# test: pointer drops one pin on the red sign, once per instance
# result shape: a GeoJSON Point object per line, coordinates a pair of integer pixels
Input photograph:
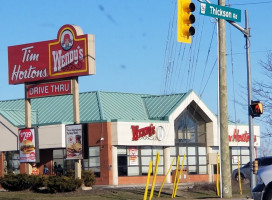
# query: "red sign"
{"type": "Point", "coordinates": [236, 137]}
{"type": "Point", "coordinates": [48, 89]}
{"type": "Point", "coordinates": [143, 132]}
{"type": "Point", "coordinates": [25, 134]}
{"type": "Point", "coordinates": [71, 54]}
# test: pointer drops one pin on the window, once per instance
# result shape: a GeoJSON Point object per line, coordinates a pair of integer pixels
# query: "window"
{"type": "Point", "coordinates": [241, 154]}
{"type": "Point", "coordinates": [190, 127]}
{"type": "Point", "coordinates": [12, 162]}
{"type": "Point", "coordinates": [134, 161]}
{"type": "Point", "coordinates": [59, 158]}
{"type": "Point", "coordinates": [190, 130]}
{"type": "Point", "coordinates": [93, 162]}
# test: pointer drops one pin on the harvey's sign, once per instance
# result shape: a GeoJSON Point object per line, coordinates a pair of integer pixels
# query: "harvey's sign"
{"type": "Point", "coordinates": [71, 54]}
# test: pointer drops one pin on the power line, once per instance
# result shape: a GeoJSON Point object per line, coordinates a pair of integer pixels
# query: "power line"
{"type": "Point", "coordinates": [233, 80]}
{"type": "Point", "coordinates": [207, 57]}
{"type": "Point", "coordinates": [263, 51]}
{"type": "Point", "coordinates": [201, 94]}
{"type": "Point", "coordinates": [252, 3]}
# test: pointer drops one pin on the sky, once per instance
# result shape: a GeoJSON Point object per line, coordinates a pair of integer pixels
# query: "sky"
{"type": "Point", "coordinates": [136, 49]}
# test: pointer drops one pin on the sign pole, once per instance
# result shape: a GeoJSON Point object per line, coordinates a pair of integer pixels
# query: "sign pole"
{"type": "Point", "coordinates": [27, 124]}
{"type": "Point", "coordinates": [250, 119]}
{"type": "Point", "coordinates": [246, 32]}
{"type": "Point", "coordinates": [76, 120]}
{"type": "Point", "coordinates": [27, 111]}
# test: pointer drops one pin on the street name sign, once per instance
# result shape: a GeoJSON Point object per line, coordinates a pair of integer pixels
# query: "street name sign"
{"type": "Point", "coordinates": [221, 12]}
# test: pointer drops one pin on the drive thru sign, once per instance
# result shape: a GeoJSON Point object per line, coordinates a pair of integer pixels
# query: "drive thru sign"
{"type": "Point", "coordinates": [221, 12]}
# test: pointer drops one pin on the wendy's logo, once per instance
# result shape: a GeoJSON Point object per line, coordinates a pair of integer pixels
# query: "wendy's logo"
{"type": "Point", "coordinates": [67, 40]}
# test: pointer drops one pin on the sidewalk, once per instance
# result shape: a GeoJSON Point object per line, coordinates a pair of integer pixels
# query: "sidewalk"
{"type": "Point", "coordinates": [167, 190]}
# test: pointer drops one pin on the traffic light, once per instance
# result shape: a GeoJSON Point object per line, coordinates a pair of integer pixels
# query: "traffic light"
{"type": "Point", "coordinates": [185, 19]}
{"type": "Point", "coordinates": [256, 108]}
{"type": "Point", "coordinates": [255, 166]}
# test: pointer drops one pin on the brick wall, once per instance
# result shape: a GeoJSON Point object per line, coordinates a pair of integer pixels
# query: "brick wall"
{"type": "Point", "coordinates": [96, 131]}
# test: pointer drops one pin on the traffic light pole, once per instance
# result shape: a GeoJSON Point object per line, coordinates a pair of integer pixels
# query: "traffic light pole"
{"type": "Point", "coordinates": [224, 151]}
{"type": "Point", "coordinates": [246, 32]}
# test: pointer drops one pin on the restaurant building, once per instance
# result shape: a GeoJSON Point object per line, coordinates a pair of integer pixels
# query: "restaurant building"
{"type": "Point", "coordinates": [122, 133]}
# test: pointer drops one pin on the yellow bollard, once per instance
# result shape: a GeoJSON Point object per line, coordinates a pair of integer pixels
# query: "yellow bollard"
{"type": "Point", "coordinates": [147, 181]}
{"type": "Point", "coordinates": [166, 177]}
{"type": "Point", "coordinates": [217, 174]}
{"type": "Point", "coordinates": [174, 184]}
{"type": "Point", "coordinates": [239, 175]}
{"type": "Point", "coordinates": [180, 172]}
{"type": "Point", "coordinates": [155, 175]}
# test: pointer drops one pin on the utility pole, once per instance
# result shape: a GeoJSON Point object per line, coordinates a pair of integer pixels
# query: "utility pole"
{"type": "Point", "coordinates": [223, 106]}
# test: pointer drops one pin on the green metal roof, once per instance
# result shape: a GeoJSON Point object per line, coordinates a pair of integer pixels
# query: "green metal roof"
{"type": "Point", "coordinates": [122, 106]}
{"type": "Point", "coordinates": [17, 117]}
{"type": "Point", "coordinates": [94, 107]}
{"type": "Point", "coordinates": [160, 107]}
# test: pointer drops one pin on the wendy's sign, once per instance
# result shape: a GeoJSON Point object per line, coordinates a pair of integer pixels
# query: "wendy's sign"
{"type": "Point", "coordinates": [71, 54]}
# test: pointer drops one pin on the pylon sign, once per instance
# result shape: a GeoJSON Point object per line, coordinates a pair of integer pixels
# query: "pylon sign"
{"type": "Point", "coordinates": [70, 55]}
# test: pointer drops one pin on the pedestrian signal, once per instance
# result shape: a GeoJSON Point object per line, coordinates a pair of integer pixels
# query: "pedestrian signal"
{"type": "Point", "coordinates": [256, 108]}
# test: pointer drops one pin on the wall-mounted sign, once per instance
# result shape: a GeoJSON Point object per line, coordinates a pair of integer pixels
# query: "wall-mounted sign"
{"type": "Point", "coordinates": [48, 89]}
{"type": "Point", "coordinates": [27, 145]}
{"type": "Point", "coordinates": [145, 132]}
{"type": "Point", "coordinates": [236, 137]}
{"type": "Point", "coordinates": [74, 141]}
{"type": "Point", "coordinates": [71, 54]}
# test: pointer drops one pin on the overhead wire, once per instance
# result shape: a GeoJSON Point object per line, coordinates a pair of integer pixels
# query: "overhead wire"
{"type": "Point", "coordinates": [166, 65]}
{"type": "Point", "coordinates": [233, 80]}
{"type": "Point", "coordinates": [199, 45]}
{"type": "Point", "coordinates": [180, 75]}
{"type": "Point", "coordinates": [207, 59]}
{"type": "Point", "coordinates": [250, 3]}
{"type": "Point", "coordinates": [189, 63]}
{"type": "Point", "coordinates": [181, 60]}
{"type": "Point", "coordinates": [193, 67]}
{"type": "Point", "coordinates": [201, 94]}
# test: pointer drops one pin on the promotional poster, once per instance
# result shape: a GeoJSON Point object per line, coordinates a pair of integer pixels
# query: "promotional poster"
{"type": "Point", "coordinates": [74, 141]}
{"type": "Point", "coordinates": [27, 145]}
{"type": "Point", "coordinates": [133, 156]}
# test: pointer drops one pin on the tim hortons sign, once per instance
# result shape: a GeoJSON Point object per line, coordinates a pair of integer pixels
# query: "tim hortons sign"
{"type": "Point", "coordinates": [71, 54]}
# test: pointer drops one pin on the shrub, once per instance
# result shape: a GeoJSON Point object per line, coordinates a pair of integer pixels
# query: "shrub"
{"type": "Point", "coordinates": [19, 182]}
{"type": "Point", "coordinates": [70, 173]}
{"type": "Point", "coordinates": [63, 184]}
{"type": "Point", "coordinates": [38, 181]}
{"type": "Point", "coordinates": [16, 182]}
{"type": "Point", "coordinates": [88, 178]}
